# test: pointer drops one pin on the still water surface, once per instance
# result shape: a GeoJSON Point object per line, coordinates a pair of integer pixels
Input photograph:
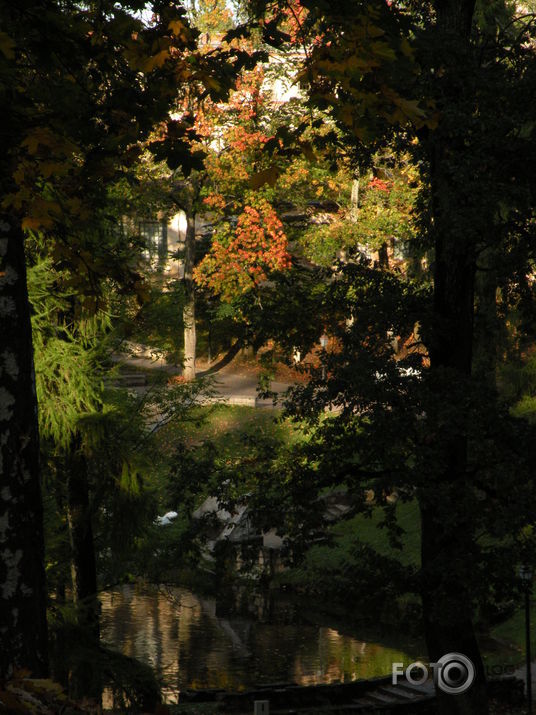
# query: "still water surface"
{"type": "Point", "coordinates": [189, 646]}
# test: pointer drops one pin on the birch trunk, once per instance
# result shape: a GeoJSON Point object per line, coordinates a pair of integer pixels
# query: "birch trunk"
{"type": "Point", "coordinates": [188, 312]}
{"type": "Point", "coordinates": [23, 631]}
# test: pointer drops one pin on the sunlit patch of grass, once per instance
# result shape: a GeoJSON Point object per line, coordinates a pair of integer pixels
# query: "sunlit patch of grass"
{"type": "Point", "coordinates": [225, 426]}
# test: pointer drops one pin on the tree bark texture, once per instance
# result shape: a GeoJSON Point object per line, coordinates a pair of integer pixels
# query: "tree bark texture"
{"type": "Point", "coordinates": [188, 312]}
{"type": "Point", "coordinates": [23, 631]}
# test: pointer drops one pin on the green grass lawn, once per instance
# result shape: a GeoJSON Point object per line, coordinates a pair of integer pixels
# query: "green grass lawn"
{"type": "Point", "coordinates": [227, 427]}
{"type": "Point", "coordinates": [368, 531]}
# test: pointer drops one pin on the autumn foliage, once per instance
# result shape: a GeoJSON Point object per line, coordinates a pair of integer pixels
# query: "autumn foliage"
{"type": "Point", "coordinates": [241, 258]}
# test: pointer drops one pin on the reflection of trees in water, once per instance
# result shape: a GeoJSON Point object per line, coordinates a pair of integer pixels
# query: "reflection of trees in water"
{"type": "Point", "coordinates": [195, 643]}
{"type": "Point", "coordinates": [117, 627]}
{"type": "Point", "coordinates": [213, 653]}
{"type": "Point", "coordinates": [180, 635]}
{"type": "Point", "coordinates": [157, 635]}
{"type": "Point", "coordinates": [144, 626]}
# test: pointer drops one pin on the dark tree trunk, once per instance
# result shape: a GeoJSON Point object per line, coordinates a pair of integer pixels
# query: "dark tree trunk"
{"type": "Point", "coordinates": [486, 321]}
{"type": "Point", "coordinates": [84, 676]}
{"type": "Point", "coordinates": [448, 541]}
{"type": "Point", "coordinates": [83, 564]}
{"type": "Point", "coordinates": [188, 312]}
{"type": "Point", "coordinates": [455, 16]}
{"type": "Point", "coordinates": [23, 631]}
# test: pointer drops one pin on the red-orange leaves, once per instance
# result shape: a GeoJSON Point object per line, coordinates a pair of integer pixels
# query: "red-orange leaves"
{"type": "Point", "coordinates": [242, 258]}
{"type": "Point", "coordinates": [295, 17]}
{"type": "Point", "coordinates": [378, 184]}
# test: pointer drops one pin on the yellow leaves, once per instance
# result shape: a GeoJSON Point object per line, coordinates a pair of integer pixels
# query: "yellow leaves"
{"type": "Point", "coordinates": [373, 30]}
{"type": "Point", "coordinates": [408, 110]}
{"type": "Point", "coordinates": [266, 176]}
{"type": "Point", "coordinates": [211, 83]}
{"type": "Point", "coordinates": [308, 151]}
{"type": "Point", "coordinates": [7, 46]}
{"type": "Point", "coordinates": [33, 224]}
{"type": "Point", "coordinates": [150, 63]}
{"type": "Point", "coordinates": [144, 59]}
{"type": "Point", "coordinates": [17, 200]}
{"type": "Point", "coordinates": [40, 136]}
{"type": "Point", "coordinates": [52, 168]}
{"type": "Point", "coordinates": [43, 215]}
{"type": "Point", "coordinates": [179, 29]}
{"type": "Point", "coordinates": [44, 138]}
{"type": "Point", "coordinates": [37, 137]}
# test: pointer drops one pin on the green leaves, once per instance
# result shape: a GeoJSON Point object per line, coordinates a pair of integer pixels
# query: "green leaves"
{"type": "Point", "coordinates": [67, 357]}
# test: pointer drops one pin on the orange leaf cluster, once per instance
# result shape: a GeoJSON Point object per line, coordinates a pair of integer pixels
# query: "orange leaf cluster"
{"type": "Point", "coordinates": [295, 16]}
{"type": "Point", "coordinates": [241, 260]}
{"type": "Point", "coordinates": [378, 184]}
{"type": "Point", "coordinates": [214, 201]}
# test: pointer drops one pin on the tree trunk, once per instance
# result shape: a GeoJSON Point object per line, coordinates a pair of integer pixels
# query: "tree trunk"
{"type": "Point", "coordinates": [85, 680]}
{"type": "Point", "coordinates": [486, 321]}
{"type": "Point", "coordinates": [83, 564]}
{"type": "Point", "coordinates": [354, 198]}
{"type": "Point", "coordinates": [455, 16]}
{"type": "Point", "coordinates": [448, 543]}
{"type": "Point", "coordinates": [188, 312]}
{"type": "Point", "coordinates": [448, 547]}
{"type": "Point", "coordinates": [23, 630]}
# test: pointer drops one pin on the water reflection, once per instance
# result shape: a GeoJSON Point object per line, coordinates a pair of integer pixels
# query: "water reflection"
{"type": "Point", "coordinates": [181, 636]}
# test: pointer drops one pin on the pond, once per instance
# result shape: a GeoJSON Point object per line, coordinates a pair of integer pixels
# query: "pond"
{"type": "Point", "coordinates": [190, 643]}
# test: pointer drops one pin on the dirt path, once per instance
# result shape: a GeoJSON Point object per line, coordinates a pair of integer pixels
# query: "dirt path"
{"type": "Point", "coordinates": [236, 383]}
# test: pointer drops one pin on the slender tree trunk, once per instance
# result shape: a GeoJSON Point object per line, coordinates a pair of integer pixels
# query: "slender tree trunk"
{"type": "Point", "coordinates": [188, 312]}
{"type": "Point", "coordinates": [23, 631]}
{"type": "Point", "coordinates": [85, 679]}
{"type": "Point", "coordinates": [448, 542]}
{"type": "Point", "coordinates": [83, 563]}
{"type": "Point", "coordinates": [354, 198]}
